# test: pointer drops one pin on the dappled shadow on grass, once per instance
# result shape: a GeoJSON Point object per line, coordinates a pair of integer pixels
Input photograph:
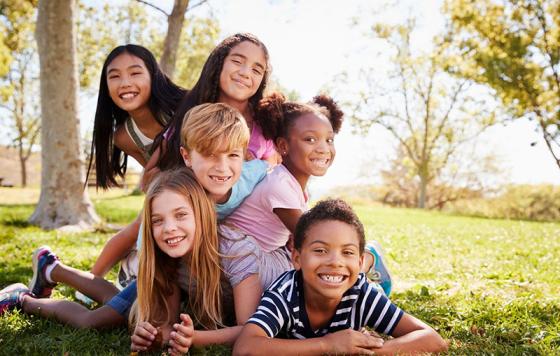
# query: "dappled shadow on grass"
{"type": "Point", "coordinates": [16, 215]}
{"type": "Point", "coordinates": [13, 274]}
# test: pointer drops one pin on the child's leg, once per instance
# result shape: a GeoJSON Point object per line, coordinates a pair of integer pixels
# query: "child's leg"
{"type": "Point", "coordinates": [72, 313]}
{"type": "Point", "coordinates": [48, 271]}
{"type": "Point", "coordinates": [116, 248]}
{"type": "Point", "coordinates": [95, 287]}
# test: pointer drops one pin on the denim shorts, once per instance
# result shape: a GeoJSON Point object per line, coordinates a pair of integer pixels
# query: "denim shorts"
{"type": "Point", "coordinates": [124, 299]}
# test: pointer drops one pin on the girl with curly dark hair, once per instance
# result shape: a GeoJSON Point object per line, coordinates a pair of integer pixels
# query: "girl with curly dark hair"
{"type": "Point", "coordinates": [235, 73]}
{"type": "Point", "coordinates": [304, 135]}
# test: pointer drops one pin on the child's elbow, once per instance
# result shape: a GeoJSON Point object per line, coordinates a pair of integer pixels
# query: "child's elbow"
{"type": "Point", "coordinates": [243, 349]}
{"type": "Point", "coordinates": [438, 343]}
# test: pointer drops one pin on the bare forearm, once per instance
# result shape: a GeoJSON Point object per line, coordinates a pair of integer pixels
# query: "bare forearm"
{"type": "Point", "coordinates": [416, 342]}
{"type": "Point", "coordinates": [226, 336]}
{"type": "Point", "coordinates": [116, 248]}
{"type": "Point", "coordinates": [259, 345]}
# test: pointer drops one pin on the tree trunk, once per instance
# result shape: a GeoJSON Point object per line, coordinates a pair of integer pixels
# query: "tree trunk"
{"type": "Point", "coordinates": [422, 194]}
{"type": "Point", "coordinates": [63, 200]}
{"type": "Point", "coordinates": [23, 168]}
{"type": "Point", "coordinates": [171, 44]}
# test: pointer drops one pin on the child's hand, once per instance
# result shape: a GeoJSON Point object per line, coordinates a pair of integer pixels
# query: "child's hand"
{"type": "Point", "coordinates": [352, 342]}
{"type": "Point", "coordinates": [143, 337]}
{"type": "Point", "coordinates": [182, 338]}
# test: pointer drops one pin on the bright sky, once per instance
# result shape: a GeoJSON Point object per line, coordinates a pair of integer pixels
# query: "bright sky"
{"type": "Point", "coordinates": [311, 41]}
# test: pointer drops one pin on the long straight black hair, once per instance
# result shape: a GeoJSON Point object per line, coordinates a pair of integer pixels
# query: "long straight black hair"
{"type": "Point", "coordinates": [207, 90]}
{"type": "Point", "coordinates": [110, 161]}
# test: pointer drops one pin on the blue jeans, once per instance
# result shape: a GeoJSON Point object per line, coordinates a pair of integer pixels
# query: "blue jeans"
{"type": "Point", "coordinates": [124, 299]}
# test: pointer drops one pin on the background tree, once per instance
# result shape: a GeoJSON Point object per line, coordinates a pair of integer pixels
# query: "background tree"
{"type": "Point", "coordinates": [19, 85]}
{"type": "Point", "coordinates": [429, 113]}
{"type": "Point", "coordinates": [63, 201]}
{"type": "Point", "coordinates": [175, 24]}
{"type": "Point", "coordinates": [468, 175]}
{"type": "Point", "coordinates": [513, 46]}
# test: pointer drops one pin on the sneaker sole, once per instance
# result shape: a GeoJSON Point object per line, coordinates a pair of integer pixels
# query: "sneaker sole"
{"type": "Point", "coordinates": [379, 261]}
{"type": "Point", "coordinates": [35, 261]}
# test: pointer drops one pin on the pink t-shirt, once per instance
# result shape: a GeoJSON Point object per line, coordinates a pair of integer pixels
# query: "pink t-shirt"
{"type": "Point", "coordinates": [260, 147]}
{"type": "Point", "coordinates": [255, 215]}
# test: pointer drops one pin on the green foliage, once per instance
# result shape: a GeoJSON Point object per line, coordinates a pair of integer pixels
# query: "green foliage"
{"type": "Point", "coordinates": [524, 202]}
{"type": "Point", "coordinates": [198, 38]}
{"type": "Point", "coordinates": [429, 113]}
{"type": "Point", "coordinates": [488, 286]}
{"type": "Point", "coordinates": [512, 47]}
{"type": "Point", "coordinates": [133, 22]}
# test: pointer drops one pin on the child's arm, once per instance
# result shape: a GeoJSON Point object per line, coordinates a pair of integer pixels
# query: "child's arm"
{"type": "Point", "coordinates": [151, 168]}
{"type": "Point", "coordinates": [246, 296]}
{"type": "Point", "coordinates": [412, 336]}
{"type": "Point", "coordinates": [254, 341]}
{"type": "Point", "coordinates": [289, 217]}
{"type": "Point", "coordinates": [123, 141]}
{"type": "Point", "coordinates": [116, 248]}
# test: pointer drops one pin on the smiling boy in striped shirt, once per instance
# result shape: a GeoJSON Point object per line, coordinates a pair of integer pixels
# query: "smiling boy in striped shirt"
{"type": "Point", "coordinates": [322, 306]}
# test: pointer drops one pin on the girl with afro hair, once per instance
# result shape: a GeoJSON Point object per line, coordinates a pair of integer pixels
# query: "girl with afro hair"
{"type": "Point", "coordinates": [304, 136]}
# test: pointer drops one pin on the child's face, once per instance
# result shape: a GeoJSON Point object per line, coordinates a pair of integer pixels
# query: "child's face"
{"type": "Point", "coordinates": [217, 172]}
{"type": "Point", "coordinates": [129, 82]}
{"type": "Point", "coordinates": [329, 259]}
{"type": "Point", "coordinates": [173, 223]}
{"type": "Point", "coordinates": [242, 72]}
{"type": "Point", "coordinates": [309, 147]}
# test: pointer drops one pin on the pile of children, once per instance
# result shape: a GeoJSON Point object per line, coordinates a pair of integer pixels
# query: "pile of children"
{"type": "Point", "coordinates": [228, 251]}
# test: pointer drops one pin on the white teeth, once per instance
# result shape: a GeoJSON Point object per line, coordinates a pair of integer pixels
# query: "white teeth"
{"type": "Point", "coordinates": [175, 240]}
{"type": "Point", "coordinates": [332, 279]}
{"type": "Point", "coordinates": [320, 162]}
{"type": "Point", "coordinates": [128, 95]}
{"type": "Point", "coordinates": [220, 179]}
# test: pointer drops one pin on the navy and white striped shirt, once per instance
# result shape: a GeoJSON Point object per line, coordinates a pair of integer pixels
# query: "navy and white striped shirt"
{"type": "Point", "coordinates": [282, 309]}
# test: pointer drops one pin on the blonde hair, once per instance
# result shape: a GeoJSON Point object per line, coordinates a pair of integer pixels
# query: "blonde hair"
{"type": "Point", "coordinates": [157, 271]}
{"type": "Point", "coordinates": [208, 127]}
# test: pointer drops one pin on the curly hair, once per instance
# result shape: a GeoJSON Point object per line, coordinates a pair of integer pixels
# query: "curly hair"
{"type": "Point", "coordinates": [276, 115]}
{"type": "Point", "coordinates": [207, 90]}
{"type": "Point", "coordinates": [328, 210]}
{"type": "Point", "coordinates": [111, 161]}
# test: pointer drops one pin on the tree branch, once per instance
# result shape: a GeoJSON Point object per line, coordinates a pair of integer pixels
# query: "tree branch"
{"type": "Point", "coordinates": [154, 7]}
{"type": "Point", "coordinates": [201, 2]}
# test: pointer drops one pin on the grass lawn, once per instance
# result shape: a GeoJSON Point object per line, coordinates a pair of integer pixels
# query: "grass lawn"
{"type": "Point", "coordinates": [488, 286]}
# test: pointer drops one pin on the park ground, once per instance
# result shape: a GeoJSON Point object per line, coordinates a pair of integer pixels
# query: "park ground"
{"type": "Point", "coordinates": [489, 286]}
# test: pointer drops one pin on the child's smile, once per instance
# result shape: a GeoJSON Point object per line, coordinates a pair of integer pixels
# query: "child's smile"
{"type": "Point", "coordinates": [329, 259]}
{"type": "Point", "coordinates": [310, 147]}
{"type": "Point", "coordinates": [242, 73]}
{"type": "Point", "coordinates": [216, 172]}
{"type": "Point", "coordinates": [173, 223]}
{"type": "Point", "coordinates": [129, 82]}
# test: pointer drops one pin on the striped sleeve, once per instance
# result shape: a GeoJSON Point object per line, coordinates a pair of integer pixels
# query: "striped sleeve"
{"type": "Point", "coordinates": [272, 313]}
{"type": "Point", "coordinates": [380, 313]}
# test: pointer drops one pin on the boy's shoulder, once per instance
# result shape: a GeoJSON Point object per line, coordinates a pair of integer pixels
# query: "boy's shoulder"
{"type": "Point", "coordinates": [285, 287]}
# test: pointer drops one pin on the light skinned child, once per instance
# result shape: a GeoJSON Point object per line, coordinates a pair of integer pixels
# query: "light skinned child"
{"type": "Point", "coordinates": [136, 101]}
{"type": "Point", "coordinates": [322, 305]}
{"type": "Point", "coordinates": [223, 156]}
{"type": "Point", "coordinates": [236, 73]}
{"type": "Point", "coordinates": [181, 228]}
